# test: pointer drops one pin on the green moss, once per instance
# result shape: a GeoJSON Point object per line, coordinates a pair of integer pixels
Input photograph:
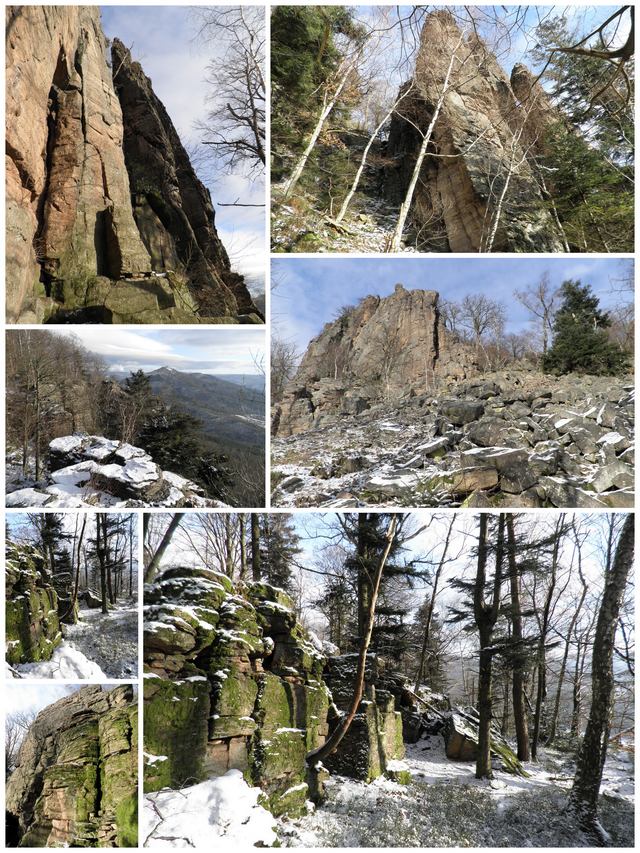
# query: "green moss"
{"type": "Point", "coordinates": [127, 821]}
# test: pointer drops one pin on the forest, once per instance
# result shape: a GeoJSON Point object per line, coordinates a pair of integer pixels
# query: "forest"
{"type": "Point", "coordinates": [71, 595]}
{"type": "Point", "coordinates": [475, 671]}
{"type": "Point", "coordinates": [436, 129]}
{"type": "Point", "coordinates": [57, 387]}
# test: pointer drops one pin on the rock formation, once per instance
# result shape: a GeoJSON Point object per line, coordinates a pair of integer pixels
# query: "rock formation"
{"type": "Point", "coordinates": [386, 348]}
{"type": "Point", "coordinates": [90, 470]}
{"type": "Point", "coordinates": [77, 247]}
{"type": "Point", "coordinates": [484, 159]}
{"type": "Point", "coordinates": [234, 682]}
{"type": "Point", "coordinates": [32, 623]}
{"type": "Point", "coordinates": [75, 784]}
{"type": "Point", "coordinates": [513, 438]}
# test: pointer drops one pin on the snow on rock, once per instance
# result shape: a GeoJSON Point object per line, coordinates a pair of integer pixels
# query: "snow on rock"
{"type": "Point", "coordinates": [90, 470]}
{"type": "Point", "coordinates": [217, 814]}
{"type": "Point", "coordinates": [66, 662]}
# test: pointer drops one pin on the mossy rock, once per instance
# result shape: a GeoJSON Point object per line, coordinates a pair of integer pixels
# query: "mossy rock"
{"type": "Point", "coordinates": [274, 707]}
{"type": "Point", "coordinates": [127, 821]}
{"type": "Point", "coordinates": [234, 694]}
{"type": "Point", "coordinates": [176, 725]}
{"type": "Point", "coordinates": [278, 765]}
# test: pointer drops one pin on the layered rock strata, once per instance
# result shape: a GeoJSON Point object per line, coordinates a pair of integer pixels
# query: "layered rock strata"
{"type": "Point", "coordinates": [32, 623]}
{"type": "Point", "coordinates": [384, 348]}
{"type": "Point", "coordinates": [478, 190]}
{"type": "Point", "coordinates": [234, 682]}
{"type": "Point", "coordinates": [74, 250]}
{"type": "Point", "coordinates": [75, 784]}
{"type": "Point", "coordinates": [90, 470]}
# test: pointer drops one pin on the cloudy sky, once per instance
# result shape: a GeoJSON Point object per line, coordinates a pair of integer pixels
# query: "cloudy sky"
{"type": "Point", "coordinates": [309, 293]}
{"type": "Point", "coordinates": [162, 39]}
{"type": "Point", "coordinates": [214, 351]}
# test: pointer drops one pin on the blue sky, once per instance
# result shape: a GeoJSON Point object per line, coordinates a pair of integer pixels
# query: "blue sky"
{"type": "Point", "coordinates": [161, 38]}
{"type": "Point", "coordinates": [309, 292]}
{"type": "Point", "coordinates": [214, 351]}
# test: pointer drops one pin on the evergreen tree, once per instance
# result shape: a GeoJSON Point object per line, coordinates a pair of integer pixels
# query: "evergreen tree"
{"type": "Point", "coordinates": [279, 548]}
{"type": "Point", "coordinates": [580, 342]}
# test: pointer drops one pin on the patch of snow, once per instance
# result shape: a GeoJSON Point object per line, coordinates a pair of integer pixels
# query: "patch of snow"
{"type": "Point", "coordinates": [66, 662]}
{"type": "Point", "coordinates": [221, 813]}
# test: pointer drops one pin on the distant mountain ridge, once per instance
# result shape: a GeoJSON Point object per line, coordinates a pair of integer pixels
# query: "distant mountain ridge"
{"type": "Point", "coordinates": [231, 409]}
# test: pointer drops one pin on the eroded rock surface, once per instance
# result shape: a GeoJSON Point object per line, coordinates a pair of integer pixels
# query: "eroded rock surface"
{"type": "Point", "coordinates": [32, 623]}
{"type": "Point", "coordinates": [75, 784]}
{"type": "Point", "coordinates": [90, 470]}
{"type": "Point", "coordinates": [74, 250]}
{"type": "Point", "coordinates": [389, 347]}
{"type": "Point", "coordinates": [480, 193]}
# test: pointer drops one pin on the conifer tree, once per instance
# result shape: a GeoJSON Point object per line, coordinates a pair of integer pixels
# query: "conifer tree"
{"type": "Point", "coordinates": [580, 342]}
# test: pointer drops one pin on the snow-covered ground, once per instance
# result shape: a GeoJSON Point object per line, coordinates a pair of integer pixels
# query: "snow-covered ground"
{"type": "Point", "coordinates": [219, 814]}
{"type": "Point", "coordinates": [98, 646]}
{"type": "Point", "coordinates": [445, 806]}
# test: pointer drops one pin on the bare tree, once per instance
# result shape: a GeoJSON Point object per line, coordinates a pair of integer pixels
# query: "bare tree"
{"type": "Point", "coordinates": [539, 300]}
{"type": "Point", "coordinates": [153, 558]}
{"type": "Point", "coordinates": [234, 127]}
{"type": "Point", "coordinates": [583, 800]}
{"type": "Point", "coordinates": [284, 360]}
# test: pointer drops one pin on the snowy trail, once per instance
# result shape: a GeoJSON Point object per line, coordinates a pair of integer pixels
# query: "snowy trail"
{"type": "Point", "coordinates": [110, 640]}
{"type": "Point", "coordinates": [445, 806]}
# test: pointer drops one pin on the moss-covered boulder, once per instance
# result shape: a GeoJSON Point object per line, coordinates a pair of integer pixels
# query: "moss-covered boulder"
{"type": "Point", "coordinates": [461, 741]}
{"type": "Point", "coordinates": [76, 780]}
{"type": "Point", "coordinates": [31, 607]}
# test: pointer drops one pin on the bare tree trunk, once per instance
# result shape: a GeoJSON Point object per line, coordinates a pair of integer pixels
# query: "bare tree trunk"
{"type": "Point", "coordinates": [328, 104]}
{"type": "Point", "coordinates": [334, 739]}
{"type": "Point", "coordinates": [130, 555]}
{"type": "Point", "coordinates": [365, 154]}
{"type": "Point", "coordinates": [486, 615]}
{"type": "Point", "coordinates": [101, 546]}
{"type": "Point", "coordinates": [76, 555]}
{"type": "Point", "coordinates": [519, 707]}
{"type": "Point", "coordinates": [583, 800]}
{"type": "Point", "coordinates": [156, 559]}
{"type": "Point", "coordinates": [434, 592]}
{"type": "Point", "coordinates": [403, 213]}
{"type": "Point", "coordinates": [243, 546]}
{"type": "Point", "coordinates": [256, 569]}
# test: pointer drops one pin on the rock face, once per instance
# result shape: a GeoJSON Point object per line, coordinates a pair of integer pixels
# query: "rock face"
{"type": "Point", "coordinates": [374, 739]}
{"type": "Point", "coordinates": [234, 682]}
{"type": "Point", "coordinates": [32, 623]}
{"type": "Point", "coordinates": [485, 162]}
{"type": "Point", "coordinates": [389, 348]}
{"type": "Point", "coordinates": [514, 438]}
{"type": "Point", "coordinates": [74, 249]}
{"type": "Point", "coordinates": [76, 780]}
{"type": "Point", "coordinates": [90, 470]}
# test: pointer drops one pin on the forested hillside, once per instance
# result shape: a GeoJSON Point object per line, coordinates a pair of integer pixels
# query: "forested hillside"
{"type": "Point", "coordinates": [56, 387]}
{"type": "Point", "coordinates": [452, 129]}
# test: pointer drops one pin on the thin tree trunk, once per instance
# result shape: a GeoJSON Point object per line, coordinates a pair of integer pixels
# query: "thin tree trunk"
{"type": "Point", "coordinates": [363, 159]}
{"type": "Point", "coordinates": [334, 739]}
{"type": "Point", "coordinates": [427, 626]}
{"type": "Point", "coordinates": [77, 551]}
{"type": "Point", "coordinates": [583, 800]}
{"type": "Point", "coordinates": [519, 707]}
{"type": "Point", "coordinates": [256, 569]}
{"type": "Point", "coordinates": [327, 107]}
{"type": "Point", "coordinates": [156, 559]}
{"type": "Point", "coordinates": [486, 615]}
{"type": "Point", "coordinates": [403, 213]}
{"type": "Point", "coordinates": [130, 555]}
{"type": "Point", "coordinates": [243, 546]}
{"type": "Point", "coordinates": [101, 553]}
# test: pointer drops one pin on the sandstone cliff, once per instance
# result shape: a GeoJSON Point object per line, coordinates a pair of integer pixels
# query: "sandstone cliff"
{"type": "Point", "coordinates": [74, 250]}
{"type": "Point", "coordinates": [76, 780]}
{"type": "Point", "coordinates": [483, 163]}
{"type": "Point", "coordinates": [384, 348]}
{"type": "Point", "coordinates": [234, 682]}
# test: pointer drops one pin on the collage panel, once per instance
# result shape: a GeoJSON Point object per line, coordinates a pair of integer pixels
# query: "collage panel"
{"type": "Point", "coordinates": [72, 765]}
{"type": "Point", "coordinates": [131, 418]}
{"type": "Point", "coordinates": [341, 680]}
{"type": "Point", "coordinates": [71, 585]}
{"type": "Point", "coordinates": [135, 175]}
{"type": "Point", "coordinates": [473, 383]}
{"type": "Point", "coordinates": [457, 129]}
